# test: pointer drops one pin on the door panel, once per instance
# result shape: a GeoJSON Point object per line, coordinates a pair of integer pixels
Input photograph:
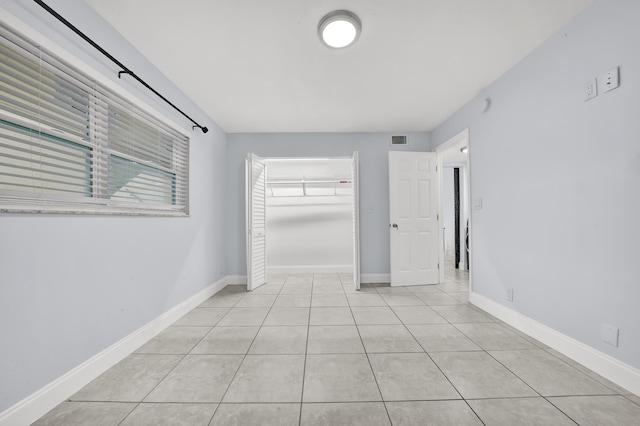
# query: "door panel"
{"type": "Point", "coordinates": [256, 221]}
{"type": "Point", "coordinates": [404, 199]}
{"type": "Point", "coordinates": [404, 262]}
{"type": "Point", "coordinates": [424, 201]}
{"type": "Point", "coordinates": [413, 212]}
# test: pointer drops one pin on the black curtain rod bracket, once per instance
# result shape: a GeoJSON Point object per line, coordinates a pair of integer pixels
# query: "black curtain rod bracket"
{"type": "Point", "coordinates": [125, 70]}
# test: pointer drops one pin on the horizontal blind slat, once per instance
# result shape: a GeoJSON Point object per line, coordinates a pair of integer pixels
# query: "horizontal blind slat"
{"type": "Point", "coordinates": [81, 166]}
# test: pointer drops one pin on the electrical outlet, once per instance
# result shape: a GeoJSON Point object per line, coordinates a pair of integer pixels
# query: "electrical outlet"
{"type": "Point", "coordinates": [610, 80]}
{"type": "Point", "coordinates": [610, 334]}
{"type": "Point", "coordinates": [509, 295]}
{"type": "Point", "coordinates": [590, 89]}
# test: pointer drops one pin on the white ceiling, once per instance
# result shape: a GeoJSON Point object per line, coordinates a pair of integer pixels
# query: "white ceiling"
{"type": "Point", "coordinates": [258, 65]}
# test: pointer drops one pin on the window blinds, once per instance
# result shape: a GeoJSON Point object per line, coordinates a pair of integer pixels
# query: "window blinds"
{"type": "Point", "coordinates": [68, 144]}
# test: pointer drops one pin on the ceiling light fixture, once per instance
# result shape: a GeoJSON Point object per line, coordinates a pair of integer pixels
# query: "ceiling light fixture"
{"type": "Point", "coordinates": [339, 29]}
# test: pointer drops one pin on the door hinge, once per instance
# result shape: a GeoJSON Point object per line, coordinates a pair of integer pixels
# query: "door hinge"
{"type": "Point", "coordinates": [437, 217]}
{"type": "Point", "coordinates": [438, 266]}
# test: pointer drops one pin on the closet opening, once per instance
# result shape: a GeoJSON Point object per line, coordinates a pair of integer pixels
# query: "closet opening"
{"type": "Point", "coordinates": [310, 223]}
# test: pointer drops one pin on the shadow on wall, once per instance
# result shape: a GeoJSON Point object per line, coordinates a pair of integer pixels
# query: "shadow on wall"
{"type": "Point", "coordinates": [312, 219]}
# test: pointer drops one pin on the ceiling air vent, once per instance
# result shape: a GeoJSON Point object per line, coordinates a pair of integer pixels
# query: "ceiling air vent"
{"type": "Point", "coordinates": [398, 140]}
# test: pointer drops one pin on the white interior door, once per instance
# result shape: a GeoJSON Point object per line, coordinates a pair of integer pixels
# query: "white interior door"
{"type": "Point", "coordinates": [356, 220]}
{"type": "Point", "coordinates": [256, 221]}
{"type": "Point", "coordinates": [413, 213]}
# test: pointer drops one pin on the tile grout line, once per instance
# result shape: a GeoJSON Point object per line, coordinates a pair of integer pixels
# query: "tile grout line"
{"type": "Point", "coordinates": [366, 353]}
{"type": "Point", "coordinates": [306, 348]}
{"type": "Point", "coordinates": [234, 375]}
{"type": "Point", "coordinates": [245, 354]}
{"type": "Point", "coordinates": [182, 359]}
{"type": "Point", "coordinates": [447, 377]}
{"type": "Point", "coordinates": [183, 356]}
{"type": "Point", "coordinates": [172, 369]}
{"type": "Point", "coordinates": [559, 409]}
{"type": "Point", "coordinates": [436, 365]}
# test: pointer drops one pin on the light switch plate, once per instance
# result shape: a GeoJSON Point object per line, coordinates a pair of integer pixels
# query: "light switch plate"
{"type": "Point", "coordinates": [476, 204]}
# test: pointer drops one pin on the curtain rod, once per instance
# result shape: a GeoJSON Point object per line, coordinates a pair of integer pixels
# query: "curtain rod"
{"type": "Point", "coordinates": [125, 70]}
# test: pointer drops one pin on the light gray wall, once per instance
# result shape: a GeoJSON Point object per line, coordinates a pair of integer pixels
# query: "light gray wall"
{"type": "Point", "coordinates": [71, 286]}
{"type": "Point", "coordinates": [559, 180]}
{"type": "Point", "coordinates": [374, 184]}
{"type": "Point", "coordinates": [312, 234]}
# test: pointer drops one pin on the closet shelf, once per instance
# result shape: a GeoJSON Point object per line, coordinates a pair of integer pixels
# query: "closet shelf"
{"type": "Point", "coordinates": [330, 185]}
{"type": "Point", "coordinates": [305, 181]}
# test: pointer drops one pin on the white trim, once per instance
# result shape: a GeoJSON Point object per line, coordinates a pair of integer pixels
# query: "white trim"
{"type": "Point", "coordinates": [449, 143]}
{"type": "Point", "coordinates": [355, 219]}
{"type": "Point", "coordinates": [453, 140]}
{"type": "Point", "coordinates": [610, 368]}
{"type": "Point", "coordinates": [239, 284]}
{"type": "Point", "coordinates": [236, 279]}
{"type": "Point", "coordinates": [31, 33]}
{"type": "Point", "coordinates": [375, 278]}
{"type": "Point", "coordinates": [45, 399]}
{"type": "Point", "coordinates": [311, 269]}
{"type": "Point", "coordinates": [365, 279]}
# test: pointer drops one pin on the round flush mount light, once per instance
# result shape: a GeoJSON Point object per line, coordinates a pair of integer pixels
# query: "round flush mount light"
{"type": "Point", "coordinates": [339, 29]}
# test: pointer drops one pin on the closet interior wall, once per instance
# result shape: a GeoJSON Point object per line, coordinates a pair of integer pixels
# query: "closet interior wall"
{"type": "Point", "coordinates": [309, 207]}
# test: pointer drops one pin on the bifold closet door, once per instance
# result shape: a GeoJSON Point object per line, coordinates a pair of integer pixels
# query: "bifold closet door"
{"type": "Point", "coordinates": [256, 182]}
{"type": "Point", "coordinates": [356, 220]}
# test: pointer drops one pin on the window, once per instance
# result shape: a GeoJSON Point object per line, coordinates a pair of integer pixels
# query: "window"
{"type": "Point", "coordinates": [68, 144]}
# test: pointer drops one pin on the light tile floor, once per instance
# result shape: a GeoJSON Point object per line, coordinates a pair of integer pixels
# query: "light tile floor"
{"type": "Point", "coordinates": [310, 350]}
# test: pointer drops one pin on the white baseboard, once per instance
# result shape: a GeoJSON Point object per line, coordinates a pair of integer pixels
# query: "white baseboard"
{"type": "Point", "coordinates": [608, 367]}
{"type": "Point", "coordinates": [236, 280]}
{"type": "Point", "coordinates": [311, 269]}
{"type": "Point", "coordinates": [364, 278]}
{"type": "Point", "coordinates": [374, 278]}
{"type": "Point", "coordinates": [45, 399]}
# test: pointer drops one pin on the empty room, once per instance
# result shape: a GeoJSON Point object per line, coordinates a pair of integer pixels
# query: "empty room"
{"type": "Point", "coordinates": [362, 212]}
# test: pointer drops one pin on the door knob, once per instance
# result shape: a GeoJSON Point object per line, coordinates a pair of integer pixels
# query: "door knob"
{"type": "Point", "coordinates": [395, 225]}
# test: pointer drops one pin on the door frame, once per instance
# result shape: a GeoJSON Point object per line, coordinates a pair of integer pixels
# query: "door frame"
{"type": "Point", "coordinates": [449, 144]}
{"type": "Point", "coordinates": [356, 211]}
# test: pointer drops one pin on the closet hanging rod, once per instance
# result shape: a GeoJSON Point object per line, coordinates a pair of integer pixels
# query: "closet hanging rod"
{"type": "Point", "coordinates": [297, 182]}
{"type": "Point", "coordinates": [308, 195]}
{"type": "Point", "coordinates": [125, 70]}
